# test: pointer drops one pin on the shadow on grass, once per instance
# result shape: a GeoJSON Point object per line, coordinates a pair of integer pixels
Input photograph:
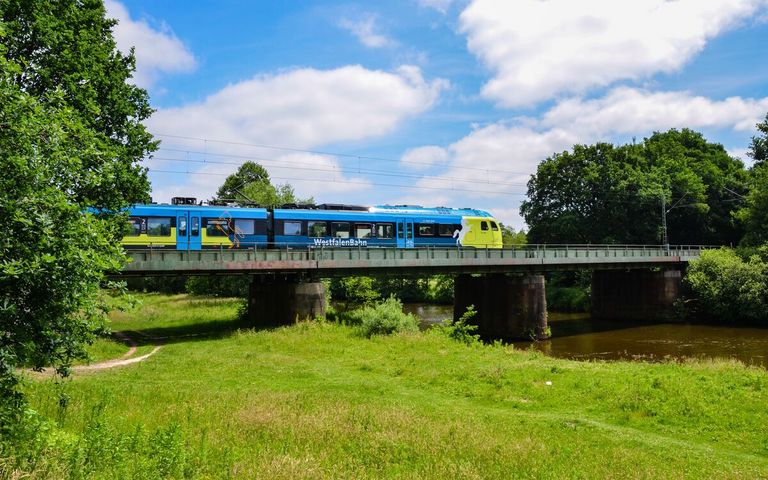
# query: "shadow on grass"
{"type": "Point", "coordinates": [195, 332]}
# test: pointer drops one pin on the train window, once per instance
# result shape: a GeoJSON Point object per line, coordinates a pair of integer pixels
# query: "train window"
{"type": "Point", "coordinates": [409, 233]}
{"type": "Point", "coordinates": [159, 227]}
{"type": "Point", "coordinates": [494, 227]}
{"type": "Point", "coordinates": [182, 226]}
{"type": "Point", "coordinates": [445, 230]}
{"type": "Point", "coordinates": [317, 229]}
{"type": "Point", "coordinates": [340, 229]}
{"type": "Point", "coordinates": [195, 231]}
{"type": "Point", "coordinates": [291, 228]}
{"type": "Point", "coordinates": [483, 225]}
{"type": "Point", "coordinates": [363, 230]}
{"type": "Point", "coordinates": [216, 227]}
{"type": "Point", "coordinates": [400, 230]}
{"type": "Point", "coordinates": [426, 229]}
{"type": "Point", "coordinates": [385, 230]}
{"type": "Point", "coordinates": [135, 224]}
{"type": "Point", "coordinates": [245, 226]}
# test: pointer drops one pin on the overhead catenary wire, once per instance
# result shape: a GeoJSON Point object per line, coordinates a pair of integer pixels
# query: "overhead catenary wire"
{"type": "Point", "coordinates": [326, 153]}
{"type": "Point", "coordinates": [377, 184]}
{"type": "Point", "coordinates": [280, 164]}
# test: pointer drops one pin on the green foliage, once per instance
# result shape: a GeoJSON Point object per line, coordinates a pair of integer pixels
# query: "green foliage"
{"type": "Point", "coordinates": [758, 149]}
{"type": "Point", "coordinates": [728, 288]}
{"type": "Point", "coordinates": [71, 139]}
{"type": "Point", "coordinates": [613, 194]}
{"type": "Point", "coordinates": [460, 330]}
{"type": "Point", "coordinates": [510, 237]}
{"type": "Point", "coordinates": [754, 215]}
{"type": "Point", "coordinates": [251, 184]}
{"type": "Point", "coordinates": [568, 299]}
{"type": "Point", "coordinates": [385, 318]}
{"type": "Point", "coordinates": [219, 286]}
{"type": "Point", "coordinates": [354, 291]}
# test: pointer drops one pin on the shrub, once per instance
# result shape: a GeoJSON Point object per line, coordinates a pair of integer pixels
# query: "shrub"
{"type": "Point", "coordinates": [460, 330]}
{"type": "Point", "coordinates": [385, 318]}
{"type": "Point", "coordinates": [729, 288]}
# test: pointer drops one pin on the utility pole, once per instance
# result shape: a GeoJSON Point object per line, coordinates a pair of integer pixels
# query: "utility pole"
{"type": "Point", "coordinates": [665, 238]}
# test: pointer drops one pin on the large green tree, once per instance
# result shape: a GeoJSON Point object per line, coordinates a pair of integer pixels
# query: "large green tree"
{"type": "Point", "coordinates": [758, 149]}
{"type": "Point", "coordinates": [615, 194]}
{"type": "Point", "coordinates": [251, 184]}
{"type": "Point", "coordinates": [71, 142]}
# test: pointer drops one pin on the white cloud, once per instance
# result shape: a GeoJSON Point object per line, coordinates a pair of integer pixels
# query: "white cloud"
{"type": "Point", "coordinates": [503, 155]}
{"type": "Point", "coordinates": [301, 109]}
{"type": "Point", "coordinates": [422, 158]}
{"type": "Point", "coordinates": [439, 5]}
{"type": "Point", "coordinates": [305, 107]}
{"type": "Point", "coordinates": [157, 51]}
{"type": "Point", "coordinates": [540, 49]}
{"type": "Point", "coordinates": [364, 29]}
{"type": "Point", "coordinates": [629, 110]}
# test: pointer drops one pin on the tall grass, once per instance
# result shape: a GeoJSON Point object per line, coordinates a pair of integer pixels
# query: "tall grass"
{"type": "Point", "coordinates": [318, 400]}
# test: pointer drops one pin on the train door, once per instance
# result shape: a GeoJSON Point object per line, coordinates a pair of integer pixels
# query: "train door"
{"type": "Point", "coordinates": [195, 239]}
{"type": "Point", "coordinates": [408, 233]}
{"type": "Point", "coordinates": [182, 231]}
{"type": "Point", "coordinates": [400, 233]}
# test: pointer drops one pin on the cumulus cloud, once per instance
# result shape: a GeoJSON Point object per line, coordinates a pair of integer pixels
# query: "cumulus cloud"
{"type": "Point", "coordinates": [628, 110]}
{"type": "Point", "coordinates": [302, 109]}
{"type": "Point", "coordinates": [364, 29]}
{"type": "Point", "coordinates": [305, 107]}
{"type": "Point", "coordinates": [538, 50]}
{"type": "Point", "coordinates": [157, 51]}
{"type": "Point", "coordinates": [503, 155]}
{"type": "Point", "coordinates": [422, 158]}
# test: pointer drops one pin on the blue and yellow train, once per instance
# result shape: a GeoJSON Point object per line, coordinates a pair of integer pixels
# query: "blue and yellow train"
{"type": "Point", "coordinates": [185, 226]}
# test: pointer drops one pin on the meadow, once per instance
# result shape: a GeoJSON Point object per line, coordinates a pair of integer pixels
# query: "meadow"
{"type": "Point", "coordinates": [320, 400]}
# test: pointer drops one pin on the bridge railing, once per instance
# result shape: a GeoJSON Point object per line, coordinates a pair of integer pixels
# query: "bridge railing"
{"type": "Point", "coordinates": [322, 256]}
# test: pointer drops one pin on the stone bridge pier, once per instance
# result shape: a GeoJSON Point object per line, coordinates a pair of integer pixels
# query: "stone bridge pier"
{"type": "Point", "coordinates": [282, 301]}
{"type": "Point", "coordinates": [635, 295]}
{"type": "Point", "coordinates": [507, 306]}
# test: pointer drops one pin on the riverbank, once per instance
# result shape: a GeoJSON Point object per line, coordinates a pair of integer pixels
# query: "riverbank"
{"type": "Point", "coordinates": [318, 400]}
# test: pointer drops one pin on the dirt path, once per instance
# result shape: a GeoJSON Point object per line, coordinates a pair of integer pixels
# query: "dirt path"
{"type": "Point", "coordinates": [125, 359]}
{"type": "Point", "coordinates": [118, 362]}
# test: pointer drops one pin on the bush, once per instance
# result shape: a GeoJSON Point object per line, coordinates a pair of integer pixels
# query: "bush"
{"type": "Point", "coordinates": [219, 286]}
{"type": "Point", "coordinates": [460, 330]}
{"type": "Point", "coordinates": [728, 288]}
{"type": "Point", "coordinates": [385, 318]}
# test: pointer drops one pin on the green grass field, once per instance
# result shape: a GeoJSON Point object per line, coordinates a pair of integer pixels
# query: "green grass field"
{"type": "Point", "coordinates": [317, 400]}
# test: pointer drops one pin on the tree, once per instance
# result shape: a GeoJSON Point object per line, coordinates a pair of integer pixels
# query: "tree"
{"type": "Point", "coordinates": [758, 149]}
{"type": "Point", "coordinates": [71, 140]}
{"type": "Point", "coordinates": [510, 237]}
{"type": "Point", "coordinates": [754, 215]}
{"type": "Point", "coordinates": [66, 46]}
{"type": "Point", "coordinates": [251, 184]}
{"type": "Point", "coordinates": [614, 194]}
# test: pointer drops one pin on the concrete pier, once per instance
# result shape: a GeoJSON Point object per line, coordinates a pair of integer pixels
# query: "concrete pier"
{"type": "Point", "coordinates": [507, 307]}
{"type": "Point", "coordinates": [284, 301]}
{"type": "Point", "coordinates": [635, 295]}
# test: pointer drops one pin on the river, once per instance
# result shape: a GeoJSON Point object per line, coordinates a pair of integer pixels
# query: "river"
{"type": "Point", "coordinates": [577, 336]}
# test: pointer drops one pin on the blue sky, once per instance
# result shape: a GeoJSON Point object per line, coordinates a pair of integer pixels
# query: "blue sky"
{"type": "Point", "coordinates": [432, 102]}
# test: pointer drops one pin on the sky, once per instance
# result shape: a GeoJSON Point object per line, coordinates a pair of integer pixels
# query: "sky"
{"type": "Point", "coordinates": [432, 102]}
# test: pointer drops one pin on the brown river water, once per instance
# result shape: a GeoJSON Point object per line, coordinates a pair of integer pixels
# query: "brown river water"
{"type": "Point", "coordinates": [577, 336]}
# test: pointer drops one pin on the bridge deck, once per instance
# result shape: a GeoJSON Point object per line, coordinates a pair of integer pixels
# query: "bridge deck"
{"type": "Point", "coordinates": [328, 262]}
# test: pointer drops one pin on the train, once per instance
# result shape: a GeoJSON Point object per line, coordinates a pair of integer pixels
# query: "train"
{"type": "Point", "coordinates": [186, 225]}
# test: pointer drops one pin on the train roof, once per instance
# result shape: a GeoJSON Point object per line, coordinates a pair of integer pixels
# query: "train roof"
{"type": "Point", "coordinates": [380, 209]}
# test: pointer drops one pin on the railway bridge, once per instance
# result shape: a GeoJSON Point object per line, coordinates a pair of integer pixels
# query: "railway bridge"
{"type": "Point", "coordinates": [506, 286]}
